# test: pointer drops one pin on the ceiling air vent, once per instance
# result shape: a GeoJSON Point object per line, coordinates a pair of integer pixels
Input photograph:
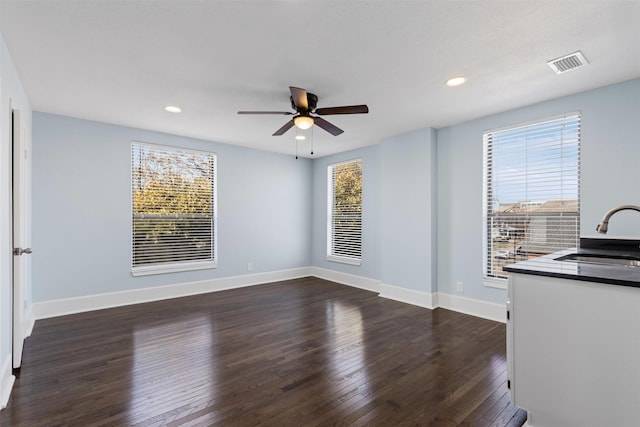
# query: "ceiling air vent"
{"type": "Point", "coordinates": [568, 62]}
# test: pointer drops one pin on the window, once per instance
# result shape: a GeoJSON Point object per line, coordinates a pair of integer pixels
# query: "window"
{"type": "Point", "coordinates": [531, 191]}
{"type": "Point", "coordinates": [344, 228]}
{"type": "Point", "coordinates": [173, 194]}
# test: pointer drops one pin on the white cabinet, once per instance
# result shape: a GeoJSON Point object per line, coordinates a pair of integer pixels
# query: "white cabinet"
{"type": "Point", "coordinates": [573, 350]}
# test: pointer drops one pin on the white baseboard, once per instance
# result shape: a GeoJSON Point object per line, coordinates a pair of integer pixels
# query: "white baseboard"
{"type": "Point", "coordinates": [409, 296]}
{"type": "Point", "coordinates": [6, 382]}
{"type": "Point", "coordinates": [61, 307]}
{"type": "Point", "coordinates": [360, 282]}
{"type": "Point", "coordinates": [474, 307]}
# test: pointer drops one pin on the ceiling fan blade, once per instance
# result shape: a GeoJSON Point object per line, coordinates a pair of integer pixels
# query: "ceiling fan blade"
{"type": "Point", "coordinates": [284, 128]}
{"type": "Point", "coordinates": [286, 113]}
{"type": "Point", "coordinates": [350, 109]}
{"type": "Point", "coordinates": [299, 97]}
{"type": "Point", "coordinates": [332, 129]}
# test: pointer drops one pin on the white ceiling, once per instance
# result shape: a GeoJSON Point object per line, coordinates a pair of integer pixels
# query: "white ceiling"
{"type": "Point", "coordinates": [121, 62]}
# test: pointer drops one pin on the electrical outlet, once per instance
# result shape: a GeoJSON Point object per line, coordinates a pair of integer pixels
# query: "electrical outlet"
{"type": "Point", "coordinates": [249, 266]}
{"type": "Point", "coordinates": [460, 286]}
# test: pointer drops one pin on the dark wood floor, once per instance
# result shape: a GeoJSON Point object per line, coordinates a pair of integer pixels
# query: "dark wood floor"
{"type": "Point", "coordinates": [304, 352]}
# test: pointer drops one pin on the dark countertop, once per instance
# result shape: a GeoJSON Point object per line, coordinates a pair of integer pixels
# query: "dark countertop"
{"type": "Point", "coordinates": [548, 265]}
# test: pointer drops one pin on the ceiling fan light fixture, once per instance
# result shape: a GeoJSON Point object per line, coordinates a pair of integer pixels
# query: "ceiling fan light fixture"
{"type": "Point", "coordinates": [456, 81]}
{"type": "Point", "coordinates": [303, 122]}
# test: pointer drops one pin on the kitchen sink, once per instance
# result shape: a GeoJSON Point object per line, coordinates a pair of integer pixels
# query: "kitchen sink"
{"type": "Point", "coordinates": [602, 259]}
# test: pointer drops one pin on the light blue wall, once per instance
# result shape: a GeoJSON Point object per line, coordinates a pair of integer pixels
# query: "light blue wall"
{"type": "Point", "coordinates": [370, 266]}
{"type": "Point", "coordinates": [12, 95]}
{"type": "Point", "coordinates": [407, 204]}
{"type": "Point", "coordinates": [610, 155]}
{"type": "Point", "coordinates": [399, 187]}
{"type": "Point", "coordinates": [82, 214]}
{"type": "Point", "coordinates": [422, 200]}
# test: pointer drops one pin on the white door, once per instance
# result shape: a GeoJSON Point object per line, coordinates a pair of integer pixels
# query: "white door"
{"type": "Point", "coordinates": [20, 249]}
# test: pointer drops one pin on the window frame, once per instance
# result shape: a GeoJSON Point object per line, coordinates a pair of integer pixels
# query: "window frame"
{"type": "Point", "coordinates": [331, 256]}
{"type": "Point", "coordinates": [176, 266]}
{"type": "Point", "coordinates": [495, 281]}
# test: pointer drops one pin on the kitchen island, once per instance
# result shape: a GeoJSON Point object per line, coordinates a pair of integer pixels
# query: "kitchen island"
{"type": "Point", "coordinates": [573, 336]}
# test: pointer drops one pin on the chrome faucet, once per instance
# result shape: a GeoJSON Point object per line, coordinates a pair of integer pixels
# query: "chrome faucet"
{"type": "Point", "coordinates": [604, 224]}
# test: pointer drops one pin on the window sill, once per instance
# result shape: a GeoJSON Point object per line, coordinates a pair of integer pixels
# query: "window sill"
{"type": "Point", "coordinates": [492, 282]}
{"type": "Point", "coordinates": [172, 268]}
{"type": "Point", "coordinates": [344, 260]}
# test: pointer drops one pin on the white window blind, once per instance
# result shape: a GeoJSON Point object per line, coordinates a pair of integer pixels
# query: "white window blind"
{"type": "Point", "coordinates": [344, 228]}
{"type": "Point", "coordinates": [173, 207]}
{"type": "Point", "coordinates": [531, 191]}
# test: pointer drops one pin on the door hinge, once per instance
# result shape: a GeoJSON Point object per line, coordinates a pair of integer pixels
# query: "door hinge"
{"type": "Point", "coordinates": [509, 384]}
{"type": "Point", "coordinates": [508, 315]}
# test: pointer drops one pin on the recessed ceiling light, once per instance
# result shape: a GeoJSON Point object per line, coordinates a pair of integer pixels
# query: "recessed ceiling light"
{"type": "Point", "coordinates": [172, 109]}
{"type": "Point", "coordinates": [456, 81]}
{"type": "Point", "coordinates": [300, 137]}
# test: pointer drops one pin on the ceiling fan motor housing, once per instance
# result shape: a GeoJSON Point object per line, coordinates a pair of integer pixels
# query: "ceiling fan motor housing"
{"type": "Point", "coordinates": [312, 102]}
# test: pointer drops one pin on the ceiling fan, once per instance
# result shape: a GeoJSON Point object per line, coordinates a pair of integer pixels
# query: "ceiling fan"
{"type": "Point", "coordinates": [306, 114]}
